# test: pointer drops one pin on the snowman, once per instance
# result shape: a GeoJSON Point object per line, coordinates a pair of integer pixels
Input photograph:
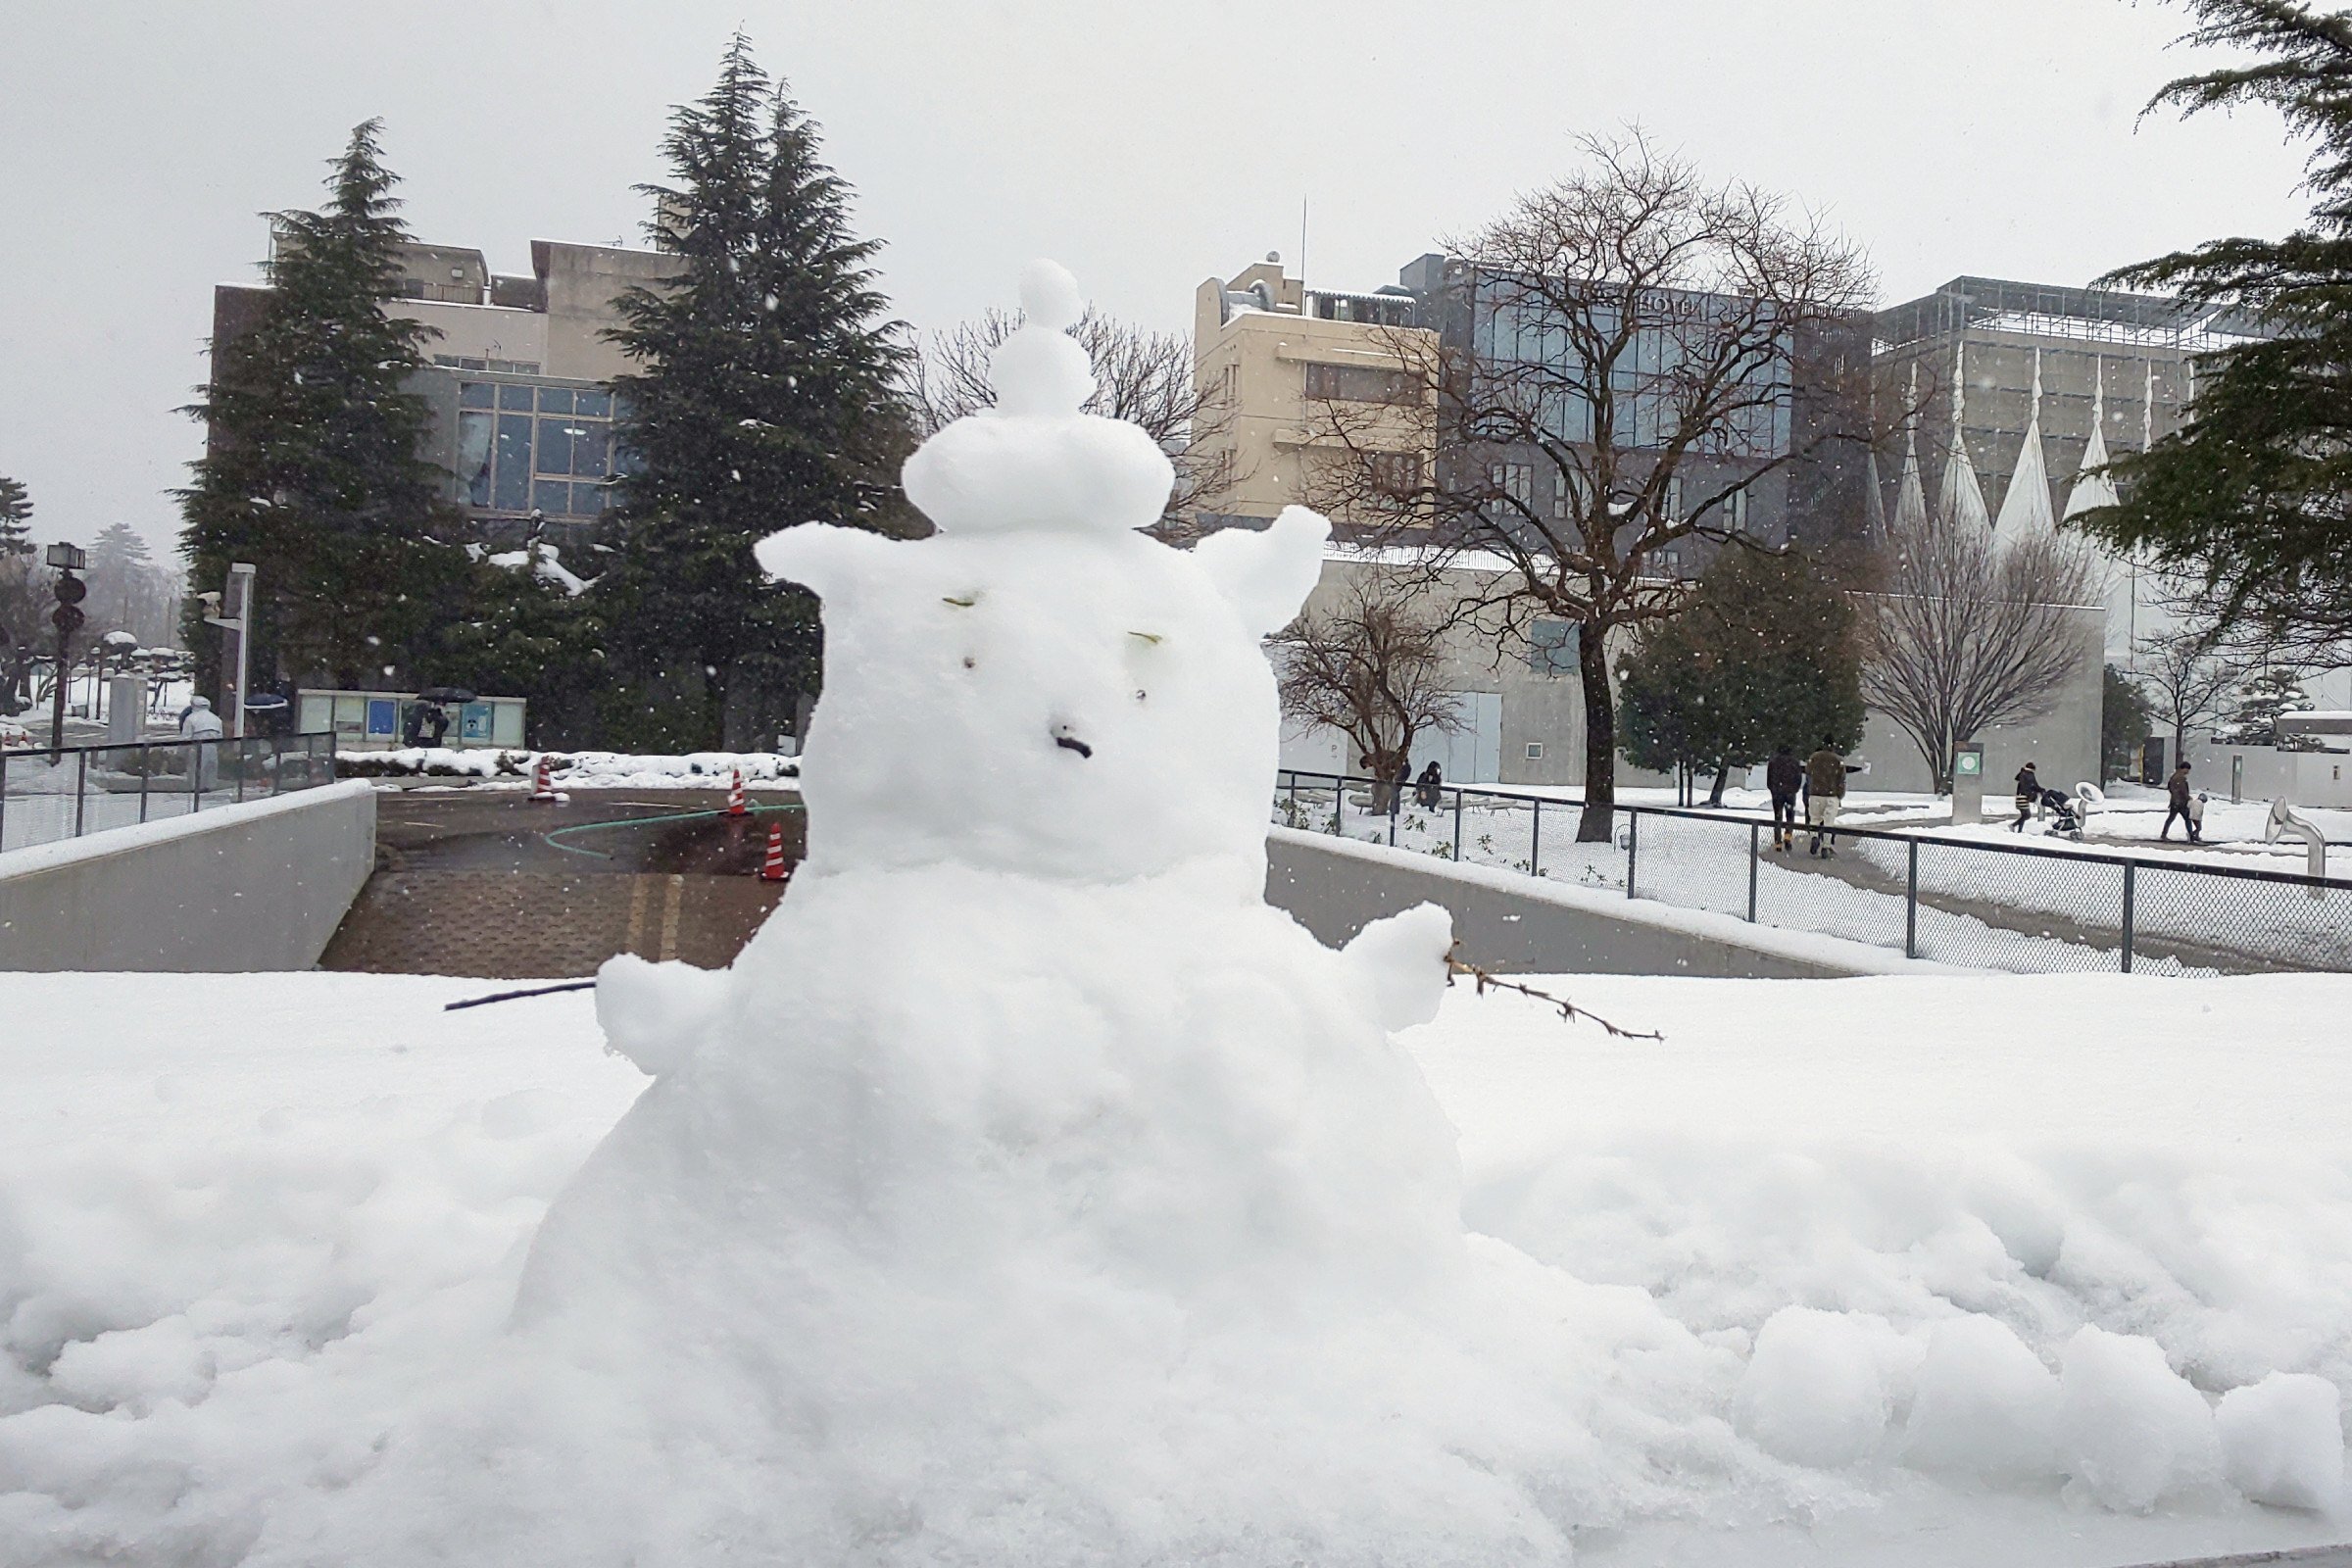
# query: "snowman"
{"type": "Point", "coordinates": [1028, 1191]}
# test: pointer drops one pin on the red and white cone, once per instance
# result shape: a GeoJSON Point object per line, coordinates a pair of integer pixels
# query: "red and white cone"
{"type": "Point", "coordinates": [774, 868]}
{"type": "Point", "coordinates": [543, 782]}
{"type": "Point", "coordinates": [735, 805]}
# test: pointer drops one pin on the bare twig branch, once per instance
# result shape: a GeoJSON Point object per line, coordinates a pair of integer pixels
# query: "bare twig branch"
{"type": "Point", "coordinates": [1487, 981]}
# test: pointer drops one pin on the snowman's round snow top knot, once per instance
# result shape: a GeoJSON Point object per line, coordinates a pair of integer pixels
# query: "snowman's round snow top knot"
{"type": "Point", "coordinates": [1035, 461]}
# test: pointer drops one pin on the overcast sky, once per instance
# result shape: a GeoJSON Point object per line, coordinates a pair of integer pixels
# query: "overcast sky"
{"type": "Point", "coordinates": [1147, 145]}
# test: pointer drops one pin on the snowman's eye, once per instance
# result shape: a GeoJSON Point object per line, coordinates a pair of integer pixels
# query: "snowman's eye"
{"type": "Point", "coordinates": [969, 662]}
{"type": "Point", "coordinates": [1139, 693]}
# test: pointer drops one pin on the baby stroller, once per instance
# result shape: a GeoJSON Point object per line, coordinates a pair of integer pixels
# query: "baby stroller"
{"type": "Point", "coordinates": [2063, 818]}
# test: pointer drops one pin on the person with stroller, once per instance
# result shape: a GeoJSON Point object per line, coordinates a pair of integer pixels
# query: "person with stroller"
{"type": "Point", "coordinates": [2028, 796]}
{"type": "Point", "coordinates": [2176, 791]}
{"type": "Point", "coordinates": [1785, 777]}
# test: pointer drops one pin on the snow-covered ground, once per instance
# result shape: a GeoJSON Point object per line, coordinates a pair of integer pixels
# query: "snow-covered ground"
{"type": "Point", "coordinates": [493, 768]}
{"type": "Point", "coordinates": [2025, 913]}
{"type": "Point", "coordinates": [246, 1221]}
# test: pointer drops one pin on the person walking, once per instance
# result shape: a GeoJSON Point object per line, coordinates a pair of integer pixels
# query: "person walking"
{"type": "Point", "coordinates": [1825, 794]}
{"type": "Point", "coordinates": [203, 726]}
{"type": "Point", "coordinates": [1784, 777]}
{"type": "Point", "coordinates": [2028, 796]}
{"type": "Point", "coordinates": [2175, 790]}
{"type": "Point", "coordinates": [1431, 786]}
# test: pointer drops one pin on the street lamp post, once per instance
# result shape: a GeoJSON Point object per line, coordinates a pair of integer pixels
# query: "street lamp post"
{"type": "Point", "coordinates": [66, 617]}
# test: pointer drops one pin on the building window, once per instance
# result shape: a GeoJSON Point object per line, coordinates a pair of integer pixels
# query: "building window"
{"type": "Point", "coordinates": [1514, 483]}
{"type": "Point", "coordinates": [557, 462]}
{"type": "Point", "coordinates": [1552, 647]}
{"type": "Point", "coordinates": [1735, 511]}
{"type": "Point", "coordinates": [1359, 383]}
{"type": "Point", "coordinates": [1674, 498]}
{"type": "Point", "coordinates": [1535, 751]}
{"type": "Point", "coordinates": [1394, 474]}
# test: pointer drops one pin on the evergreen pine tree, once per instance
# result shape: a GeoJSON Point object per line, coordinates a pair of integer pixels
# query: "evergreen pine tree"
{"type": "Point", "coordinates": [24, 596]}
{"type": "Point", "coordinates": [122, 576]}
{"type": "Point", "coordinates": [2253, 716]}
{"type": "Point", "coordinates": [768, 397]}
{"type": "Point", "coordinates": [16, 518]}
{"type": "Point", "coordinates": [1764, 654]}
{"type": "Point", "coordinates": [311, 470]}
{"type": "Point", "coordinates": [2247, 499]}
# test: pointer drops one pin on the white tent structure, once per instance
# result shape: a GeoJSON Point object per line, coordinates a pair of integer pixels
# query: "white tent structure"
{"type": "Point", "coordinates": [2025, 505]}
{"type": "Point", "coordinates": [1910, 496]}
{"type": "Point", "coordinates": [2118, 575]}
{"type": "Point", "coordinates": [1961, 497]}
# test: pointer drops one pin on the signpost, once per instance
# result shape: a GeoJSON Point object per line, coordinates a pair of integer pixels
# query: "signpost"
{"type": "Point", "coordinates": [1968, 783]}
{"type": "Point", "coordinates": [236, 611]}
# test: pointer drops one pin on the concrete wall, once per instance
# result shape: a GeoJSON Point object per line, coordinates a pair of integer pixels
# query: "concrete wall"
{"type": "Point", "coordinates": [1545, 709]}
{"type": "Point", "coordinates": [258, 886]}
{"type": "Point", "coordinates": [2063, 745]}
{"type": "Point", "coordinates": [2265, 773]}
{"type": "Point", "coordinates": [1514, 924]}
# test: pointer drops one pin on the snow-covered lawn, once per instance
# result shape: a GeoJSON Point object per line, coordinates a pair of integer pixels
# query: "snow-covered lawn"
{"type": "Point", "coordinates": [245, 1220]}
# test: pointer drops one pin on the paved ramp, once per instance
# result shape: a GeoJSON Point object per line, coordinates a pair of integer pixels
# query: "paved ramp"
{"type": "Point", "coordinates": [472, 882]}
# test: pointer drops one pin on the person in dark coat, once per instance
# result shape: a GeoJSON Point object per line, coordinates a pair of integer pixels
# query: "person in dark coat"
{"type": "Point", "coordinates": [1430, 786]}
{"type": "Point", "coordinates": [1403, 782]}
{"type": "Point", "coordinates": [2177, 789]}
{"type": "Point", "coordinates": [2028, 796]}
{"type": "Point", "coordinates": [1785, 777]}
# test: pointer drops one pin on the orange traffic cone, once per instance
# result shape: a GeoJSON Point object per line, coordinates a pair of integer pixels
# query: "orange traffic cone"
{"type": "Point", "coordinates": [774, 868]}
{"type": "Point", "coordinates": [735, 805]}
{"type": "Point", "coordinates": [543, 783]}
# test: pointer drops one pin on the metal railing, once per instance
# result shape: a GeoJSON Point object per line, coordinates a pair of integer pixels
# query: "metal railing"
{"type": "Point", "coordinates": [91, 789]}
{"type": "Point", "coordinates": [2021, 907]}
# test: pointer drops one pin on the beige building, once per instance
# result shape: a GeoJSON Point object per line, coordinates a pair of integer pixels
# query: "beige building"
{"type": "Point", "coordinates": [1272, 358]}
{"type": "Point", "coordinates": [519, 379]}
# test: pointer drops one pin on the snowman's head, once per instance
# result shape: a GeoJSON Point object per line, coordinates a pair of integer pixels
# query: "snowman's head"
{"type": "Point", "coordinates": [1040, 689]}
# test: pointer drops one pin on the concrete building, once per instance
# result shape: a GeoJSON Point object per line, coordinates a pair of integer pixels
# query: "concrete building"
{"type": "Point", "coordinates": [2029, 385]}
{"type": "Point", "coordinates": [1266, 348]}
{"type": "Point", "coordinates": [519, 381]}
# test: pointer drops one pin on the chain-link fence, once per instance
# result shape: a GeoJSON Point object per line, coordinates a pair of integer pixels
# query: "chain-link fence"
{"type": "Point", "coordinates": [2015, 907]}
{"type": "Point", "coordinates": [90, 789]}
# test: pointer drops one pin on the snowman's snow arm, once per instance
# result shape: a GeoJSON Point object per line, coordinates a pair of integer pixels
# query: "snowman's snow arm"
{"type": "Point", "coordinates": [1267, 576]}
{"type": "Point", "coordinates": [655, 1013]}
{"type": "Point", "coordinates": [826, 560]}
{"type": "Point", "coordinates": [1399, 965]}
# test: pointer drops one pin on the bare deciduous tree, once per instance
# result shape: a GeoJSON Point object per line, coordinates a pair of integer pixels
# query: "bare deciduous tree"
{"type": "Point", "coordinates": [1962, 634]}
{"type": "Point", "coordinates": [1142, 376]}
{"type": "Point", "coordinates": [1628, 380]}
{"type": "Point", "coordinates": [2187, 678]}
{"type": "Point", "coordinates": [1371, 668]}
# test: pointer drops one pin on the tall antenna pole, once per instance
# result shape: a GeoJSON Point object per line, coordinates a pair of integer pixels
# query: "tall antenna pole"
{"type": "Point", "coordinates": [1303, 248]}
